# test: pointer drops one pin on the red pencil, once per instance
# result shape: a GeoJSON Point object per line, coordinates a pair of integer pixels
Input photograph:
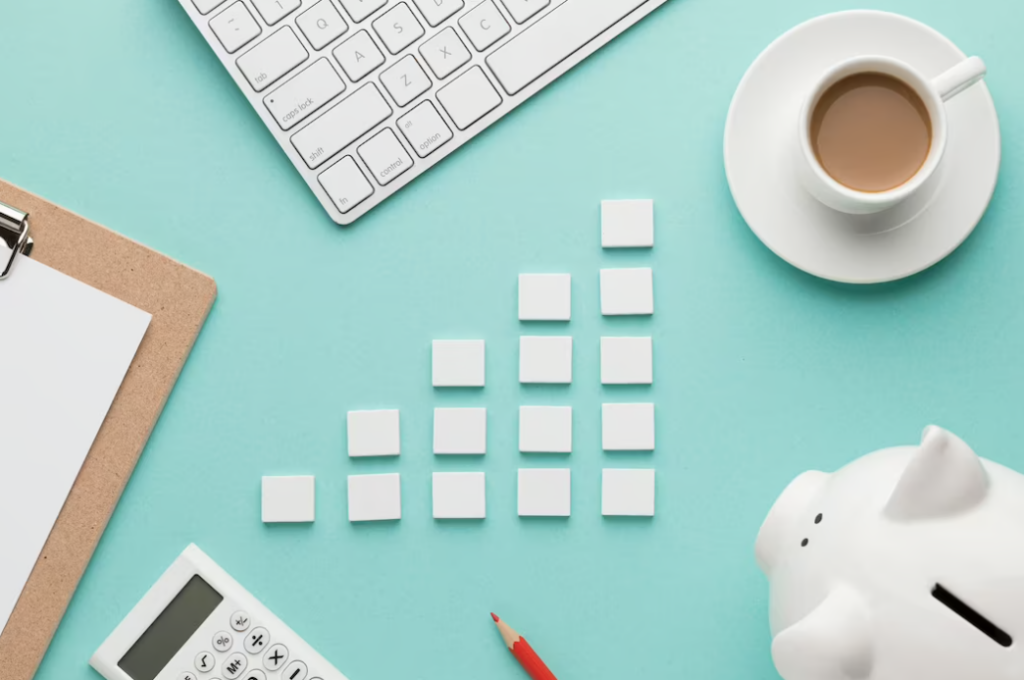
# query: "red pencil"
{"type": "Point", "coordinates": [523, 652]}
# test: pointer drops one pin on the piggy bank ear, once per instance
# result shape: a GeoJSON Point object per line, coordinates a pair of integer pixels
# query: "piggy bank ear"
{"type": "Point", "coordinates": [833, 642]}
{"type": "Point", "coordinates": [944, 477]}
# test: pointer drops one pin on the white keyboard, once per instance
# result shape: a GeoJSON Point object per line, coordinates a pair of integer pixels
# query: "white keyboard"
{"type": "Point", "coordinates": [365, 95]}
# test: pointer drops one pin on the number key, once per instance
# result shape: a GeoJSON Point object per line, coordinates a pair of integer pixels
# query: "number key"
{"type": "Point", "coordinates": [360, 9]}
{"type": "Point", "coordinates": [273, 11]}
{"type": "Point", "coordinates": [398, 28]}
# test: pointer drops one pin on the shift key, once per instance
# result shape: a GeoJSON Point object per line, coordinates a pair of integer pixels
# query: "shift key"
{"type": "Point", "coordinates": [342, 124]}
{"type": "Point", "coordinates": [297, 99]}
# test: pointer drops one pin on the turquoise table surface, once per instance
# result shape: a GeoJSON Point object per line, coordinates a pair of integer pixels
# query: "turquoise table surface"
{"type": "Point", "coordinates": [118, 110]}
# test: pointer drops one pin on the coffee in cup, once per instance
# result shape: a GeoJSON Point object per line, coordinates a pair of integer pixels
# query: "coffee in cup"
{"type": "Point", "coordinates": [873, 130]}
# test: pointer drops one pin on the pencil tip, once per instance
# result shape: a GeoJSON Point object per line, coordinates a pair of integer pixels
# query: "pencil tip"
{"type": "Point", "coordinates": [495, 617]}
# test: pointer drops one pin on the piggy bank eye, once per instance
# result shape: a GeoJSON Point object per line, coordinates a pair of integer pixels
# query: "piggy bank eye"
{"type": "Point", "coordinates": [817, 520]}
{"type": "Point", "coordinates": [803, 543]}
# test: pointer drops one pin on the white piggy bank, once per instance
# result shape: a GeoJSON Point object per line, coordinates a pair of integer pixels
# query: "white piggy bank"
{"type": "Point", "coordinates": [907, 564]}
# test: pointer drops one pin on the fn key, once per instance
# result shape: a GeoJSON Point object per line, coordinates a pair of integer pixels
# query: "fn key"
{"type": "Point", "coordinates": [345, 184]}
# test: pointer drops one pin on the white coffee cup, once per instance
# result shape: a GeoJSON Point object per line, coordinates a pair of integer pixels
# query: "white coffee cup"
{"type": "Point", "coordinates": [933, 93]}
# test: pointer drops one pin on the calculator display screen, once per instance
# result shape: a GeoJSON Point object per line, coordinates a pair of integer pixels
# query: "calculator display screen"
{"type": "Point", "coordinates": [171, 630]}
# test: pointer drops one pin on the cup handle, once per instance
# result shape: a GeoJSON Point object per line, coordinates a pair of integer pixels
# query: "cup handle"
{"type": "Point", "coordinates": [960, 77]}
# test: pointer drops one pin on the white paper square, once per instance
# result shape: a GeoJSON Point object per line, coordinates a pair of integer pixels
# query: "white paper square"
{"type": "Point", "coordinates": [545, 429]}
{"type": "Point", "coordinates": [627, 224]}
{"type": "Point", "coordinates": [627, 493]}
{"type": "Point", "coordinates": [545, 359]}
{"type": "Point", "coordinates": [460, 495]}
{"type": "Point", "coordinates": [627, 427]}
{"type": "Point", "coordinates": [289, 499]}
{"type": "Point", "coordinates": [627, 361]}
{"type": "Point", "coordinates": [374, 433]}
{"type": "Point", "coordinates": [460, 430]}
{"type": "Point", "coordinates": [374, 497]}
{"type": "Point", "coordinates": [458, 363]}
{"type": "Point", "coordinates": [627, 292]}
{"type": "Point", "coordinates": [545, 297]}
{"type": "Point", "coordinates": [545, 492]}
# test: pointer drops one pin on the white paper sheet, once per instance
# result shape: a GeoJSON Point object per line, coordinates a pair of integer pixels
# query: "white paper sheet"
{"type": "Point", "coordinates": [64, 349]}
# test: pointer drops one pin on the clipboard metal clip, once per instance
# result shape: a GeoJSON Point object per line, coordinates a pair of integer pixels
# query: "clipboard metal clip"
{"type": "Point", "coordinates": [14, 232]}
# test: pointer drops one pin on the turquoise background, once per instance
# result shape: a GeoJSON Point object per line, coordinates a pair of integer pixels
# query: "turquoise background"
{"type": "Point", "coordinates": [118, 110]}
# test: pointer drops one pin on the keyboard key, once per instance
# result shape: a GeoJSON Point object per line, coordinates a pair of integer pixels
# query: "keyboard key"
{"type": "Point", "coordinates": [484, 25]}
{"type": "Point", "coordinates": [272, 58]}
{"type": "Point", "coordinates": [385, 156]}
{"type": "Point", "coordinates": [207, 6]}
{"type": "Point", "coordinates": [346, 185]}
{"type": "Point", "coordinates": [358, 56]}
{"type": "Point", "coordinates": [436, 11]}
{"type": "Point", "coordinates": [424, 129]}
{"type": "Point", "coordinates": [273, 11]}
{"type": "Point", "coordinates": [398, 28]}
{"type": "Point", "coordinates": [341, 125]}
{"type": "Point", "coordinates": [521, 10]}
{"type": "Point", "coordinates": [445, 53]}
{"type": "Point", "coordinates": [321, 24]}
{"type": "Point", "coordinates": [234, 27]}
{"type": "Point", "coordinates": [405, 80]}
{"type": "Point", "coordinates": [305, 93]}
{"type": "Point", "coordinates": [553, 38]}
{"type": "Point", "coordinates": [360, 9]}
{"type": "Point", "coordinates": [469, 97]}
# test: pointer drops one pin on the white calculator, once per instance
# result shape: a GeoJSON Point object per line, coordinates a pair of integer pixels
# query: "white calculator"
{"type": "Point", "coordinates": [198, 623]}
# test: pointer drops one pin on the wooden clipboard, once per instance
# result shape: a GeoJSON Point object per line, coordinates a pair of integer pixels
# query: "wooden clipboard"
{"type": "Point", "coordinates": [179, 298]}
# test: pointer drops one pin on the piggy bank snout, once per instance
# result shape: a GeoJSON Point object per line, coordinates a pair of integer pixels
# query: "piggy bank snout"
{"type": "Point", "coordinates": [787, 509]}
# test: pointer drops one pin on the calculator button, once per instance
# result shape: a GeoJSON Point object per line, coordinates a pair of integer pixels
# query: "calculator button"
{"type": "Point", "coordinates": [204, 662]}
{"type": "Point", "coordinates": [234, 666]}
{"type": "Point", "coordinates": [255, 674]}
{"type": "Point", "coordinates": [256, 640]}
{"type": "Point", "coordinates": [240, 621]}
{"type": "Point", "coordinates": [275, 657]}
{"type": "Point", "coordinates": [222, 641]}
{"type": "Point", "coordinates": [234, 27]}
{"type": "Point", "coordinates": [296, 670]}
{"type": "Point", "coordinates": [187, 676]}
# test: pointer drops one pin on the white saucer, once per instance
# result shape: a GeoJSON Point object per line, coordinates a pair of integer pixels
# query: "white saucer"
{"type": "Point", "coordinates": [761, 165]}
